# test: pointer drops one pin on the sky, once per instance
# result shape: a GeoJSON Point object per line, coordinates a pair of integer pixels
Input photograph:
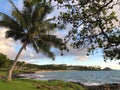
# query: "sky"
{"type": "Point", "coordinates": [74, 57]}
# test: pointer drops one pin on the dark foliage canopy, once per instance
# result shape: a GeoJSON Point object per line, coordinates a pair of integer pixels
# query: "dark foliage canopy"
{"type": "Point", "coordinates": [94, 25]}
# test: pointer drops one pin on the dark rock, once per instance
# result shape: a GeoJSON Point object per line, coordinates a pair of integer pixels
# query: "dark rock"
{"type": "Point", "coordinates": [38, 87]}
{"type": "Point", "coordinates": [79, 83]}
{"type": "Point", "coordinates": [114, 86]}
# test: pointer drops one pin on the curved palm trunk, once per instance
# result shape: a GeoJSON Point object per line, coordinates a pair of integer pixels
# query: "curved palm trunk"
{"type": "Point", "coordinates": [9, 74]}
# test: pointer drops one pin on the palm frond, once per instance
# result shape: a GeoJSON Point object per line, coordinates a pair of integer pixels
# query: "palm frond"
{"type": "Point", "coordinates": [13, 5]}
{"type": "Point", "coordinates": [9, 22]}
{"type": "Point", "coordinates": [45, 11]}
{"type": "Point", "coordinates": [40, 12]}
{"type": "Point", "coordinates": [27, 11]}
{"type": "Point", "coordinates": [15, 35]}
{"type": "Point", "coordinates": [35, 47]}
{"type": "Point", "coordinates": [44, 47]}
{"type": "Point", "coordinates": [53, 40]}
{"type": "Point", "coordinates": [16, 13]}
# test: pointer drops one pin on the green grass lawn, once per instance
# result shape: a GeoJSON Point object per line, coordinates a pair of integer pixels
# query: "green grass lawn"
{"type": "Point", "coordinates": [16, 85]}
{"type": "Point", "coordinates": [24, 84]}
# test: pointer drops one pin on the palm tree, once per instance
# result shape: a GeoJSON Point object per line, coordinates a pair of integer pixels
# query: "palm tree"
{"type": "Point", "coordinates": [30, 26]}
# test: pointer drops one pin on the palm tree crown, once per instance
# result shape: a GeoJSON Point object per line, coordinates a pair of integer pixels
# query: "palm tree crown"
{"type": "Point", "coordinates": [30, 26]}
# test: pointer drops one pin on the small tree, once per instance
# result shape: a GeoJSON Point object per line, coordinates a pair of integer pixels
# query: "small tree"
{"type": "Point", "coordinates": [4, 61]}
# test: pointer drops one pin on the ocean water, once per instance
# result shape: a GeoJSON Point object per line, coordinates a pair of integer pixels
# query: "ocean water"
{"type": "Point", "coordinates": [85, 77]}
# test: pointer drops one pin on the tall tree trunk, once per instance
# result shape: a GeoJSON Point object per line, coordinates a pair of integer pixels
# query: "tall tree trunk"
{"type": "Point", "coordinates": [9, 74]}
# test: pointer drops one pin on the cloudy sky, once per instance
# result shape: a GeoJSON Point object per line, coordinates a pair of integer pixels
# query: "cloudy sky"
{"type": "Point", "coordinates": [74, 57]}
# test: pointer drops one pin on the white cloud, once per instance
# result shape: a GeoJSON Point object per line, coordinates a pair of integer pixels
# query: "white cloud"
{"type": "Point", "coordinates": [6, 45]}
{"type": "Point", "coordinates": [81, 58]}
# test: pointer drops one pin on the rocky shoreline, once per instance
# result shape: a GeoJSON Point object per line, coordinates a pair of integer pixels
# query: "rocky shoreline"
{"type": "Point", "coordinates": [113, 86]}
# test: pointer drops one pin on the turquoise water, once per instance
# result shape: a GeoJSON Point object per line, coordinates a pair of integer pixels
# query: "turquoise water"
{"type": "Point", "coordinates": [85, 77]}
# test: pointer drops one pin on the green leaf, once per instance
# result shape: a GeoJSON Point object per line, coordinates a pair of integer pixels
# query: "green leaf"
{"type": "Point", "coordinates": [68, 6]}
